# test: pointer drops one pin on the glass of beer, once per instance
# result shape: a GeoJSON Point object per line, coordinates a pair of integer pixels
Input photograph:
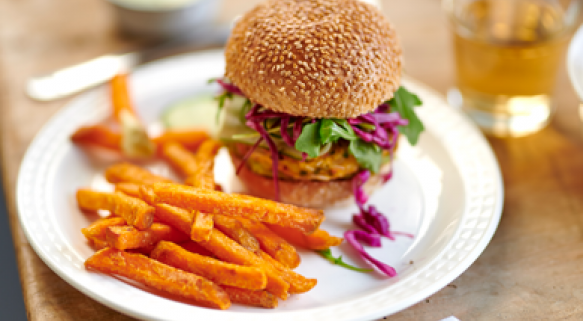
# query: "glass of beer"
{"type": "Point", "coordinates": [507, 55]}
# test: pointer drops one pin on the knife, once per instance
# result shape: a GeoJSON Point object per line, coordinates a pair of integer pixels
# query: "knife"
{"type": "Point", "coordinates": [76, 78]}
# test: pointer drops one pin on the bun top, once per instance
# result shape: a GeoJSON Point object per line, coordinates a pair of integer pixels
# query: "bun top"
{"type": "Point", "coordinates": [315, 58]}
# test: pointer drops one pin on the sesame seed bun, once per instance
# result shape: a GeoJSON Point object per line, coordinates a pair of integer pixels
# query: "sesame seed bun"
{"type": "Point", "coordinates": [315, 58]}
{"type": "Point", "coordinates": [315, 194]}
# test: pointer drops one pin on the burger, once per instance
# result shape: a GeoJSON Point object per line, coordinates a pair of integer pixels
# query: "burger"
{"type": "Point", "coordinates": [312, 106]}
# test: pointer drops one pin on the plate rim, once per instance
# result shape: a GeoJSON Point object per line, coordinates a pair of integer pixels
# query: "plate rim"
{"type": "Point", "coordinates": [426, 292]}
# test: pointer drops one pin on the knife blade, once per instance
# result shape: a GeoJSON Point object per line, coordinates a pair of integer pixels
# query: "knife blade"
{"type": "Point", "coordinates": [79, 77]}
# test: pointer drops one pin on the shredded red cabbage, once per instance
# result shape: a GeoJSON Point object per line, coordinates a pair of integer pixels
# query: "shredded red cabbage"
{"type": "Point", "coordinates": [249, 152]}
{"type": "Point", "coordinates": [361, 222]}
{"type": "Point", "coordinates": [371, 221]}
{"type": "Point", "coordinates": [230, 88]}
{"type": "Point", "coordinates": [289, 140]}
{"type": "Point", "coordinates": [352, 237]}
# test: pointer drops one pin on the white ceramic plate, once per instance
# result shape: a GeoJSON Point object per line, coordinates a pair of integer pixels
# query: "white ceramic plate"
{"type": "Point", "coordinates": [575, 62]}
{"type": "Point", "coordinates": [447, 191]}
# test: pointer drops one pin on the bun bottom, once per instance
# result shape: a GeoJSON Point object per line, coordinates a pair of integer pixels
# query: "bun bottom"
{"type": "Point", "coordinates": [315, 194]}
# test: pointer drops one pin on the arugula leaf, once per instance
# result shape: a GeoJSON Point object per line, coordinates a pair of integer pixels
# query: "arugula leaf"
{"type": "Point", "coordinates": [403, 103]}
{"type": "Point", "coordinates": [309, 140]}
{"type": "Point", "coordinates": [327, 254]}
{"type": "Point", "coordinates": [332, 130]}
{"type": "Point", "coordinates": [211, 80]}
{"type": "Point", "coordinates": [368, 155]}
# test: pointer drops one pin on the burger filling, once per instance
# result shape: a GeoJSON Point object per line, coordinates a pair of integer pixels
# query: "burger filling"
{"type": "Point", "coordinates": [282, 146]}
{"type": "Point", "coordinates": [337, 163]}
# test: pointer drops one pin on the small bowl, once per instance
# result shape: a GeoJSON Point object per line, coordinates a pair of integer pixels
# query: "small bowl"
{"type": "Point", "coordinates": [159, 19]}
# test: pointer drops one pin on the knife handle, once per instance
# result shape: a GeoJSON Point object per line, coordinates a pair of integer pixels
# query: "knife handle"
{"type": "Point", "coordinates": [79, 77]}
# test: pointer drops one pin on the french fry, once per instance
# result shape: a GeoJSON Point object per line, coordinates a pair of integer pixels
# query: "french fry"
{"type": "Point", "coordinates": [130, 173]}
{"type": "Point", "coordinates": [319, 240]}
{"type": "Point", "coordinates": [235, 230]}
{"type": "Point", "coordinates": [206, 153]}
{"type": "Point", "coordinates": [181, 159]}
{"type": "Point", "coordinates": [145, 250]}
{"type": "Point", "coordinates": [202, 226]}
{"type": "Point", "coordinates": [147, 195]}
{"type": "Point", "coordinates": [262, 299]}
{"type": "Point", "coordinates": [194, 247]}
{"type": "Point", "coordinates": [95, 232]}
{"type": "Point", "coordinates": [99, 136]}
{"type": "Point", "coordinates": [224, 248]}
{"type": "Point", "coordinates": [236, 205]}
{"type": "Point", "coordinates": [202, 223]}
{"type": "Point", "coordinates": [135, 141]}
{"type": "Point", "coordinates": [273, 244]}
{"type": "Point", "coordinates": [128, 237]}
{"type": "Point", "coordinates": [203, 175]}
{"type": "Point", "coordinates": [297, 282]}
{"type": "Point", "coordinates": [189, 138]}
{"type": "Point", "coordinates": [160, 276]}
{"type": "Point", "coordinates": [134, 211]}
{"type": "Point", "coordinates": [201, 180]}
{"type": "Point", "coordinates": [230, 251]}
{"type": "Point", "coordinates": [174, 216]}
{"type": "Point", "coordinates": [246, 277]}
{"type": "Point", "coordinates": [130, 189]}
{"type": "Point", "coordinates": [98, 228]}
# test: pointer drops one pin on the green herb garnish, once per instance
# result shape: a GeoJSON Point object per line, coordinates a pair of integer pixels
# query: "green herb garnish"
{"type": "Point", "coordinates": [327, 254]}
{"type": "Point", "coordinates": [368, 155]}
{"type": "Point", "coordinates": [333, 129]}
{"type": "Point", "coordinates": [403, 103]}
{"type": "Point", "coordinates": [309, 141]}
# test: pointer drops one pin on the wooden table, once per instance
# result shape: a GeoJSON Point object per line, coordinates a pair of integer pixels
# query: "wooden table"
{"type": "Point", "coordinates": [532, 269]}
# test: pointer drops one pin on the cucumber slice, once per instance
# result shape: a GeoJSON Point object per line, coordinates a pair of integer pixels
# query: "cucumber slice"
{"type": "Point", "coordinates": [193, 112]}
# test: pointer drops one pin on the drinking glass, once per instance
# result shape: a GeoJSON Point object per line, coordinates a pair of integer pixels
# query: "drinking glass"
{"type": "Point", "coordinates": [507, 55]}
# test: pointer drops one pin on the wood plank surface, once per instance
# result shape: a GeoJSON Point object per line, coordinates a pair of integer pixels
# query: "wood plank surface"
{"type": "Point", "coordinates": [532, 270]}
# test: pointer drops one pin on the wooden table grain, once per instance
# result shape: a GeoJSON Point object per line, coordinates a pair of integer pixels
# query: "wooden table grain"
{"type": "Point", "coordinates": [532, 269]}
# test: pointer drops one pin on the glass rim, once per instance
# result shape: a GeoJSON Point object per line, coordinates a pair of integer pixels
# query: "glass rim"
{"type": "Point", "coordinates": [572, 14]}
